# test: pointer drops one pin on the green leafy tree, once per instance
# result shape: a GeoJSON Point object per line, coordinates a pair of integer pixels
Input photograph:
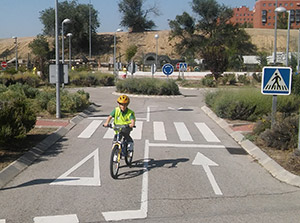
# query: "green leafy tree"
{"type": "Point", "coordinates": [79, 26]}
{"type": "Point", "coordinates": [130, 52]}
{"type": "Point", "coordinates": [212, 36]}
{"type": "Point", "coordinates": [135, 17]}
{"type": "Point", "coordinates": [40, 48]}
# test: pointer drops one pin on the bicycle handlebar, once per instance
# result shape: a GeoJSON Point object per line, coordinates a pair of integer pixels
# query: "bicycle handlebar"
{"type": "Point", "coordinates": [117, 127]}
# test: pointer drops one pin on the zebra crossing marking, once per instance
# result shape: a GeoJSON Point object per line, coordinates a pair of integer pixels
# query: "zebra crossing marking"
{"type": "Point", "coordinates": [57, 219]}
{"type": "Point", "coordinates": [89, 131]}
{"type": "Point", "coordinates": [159, 131]}
{"type": "Point", "coordinates": [206, 132]}
{"type": "Point", "coordinates": [183, 132]}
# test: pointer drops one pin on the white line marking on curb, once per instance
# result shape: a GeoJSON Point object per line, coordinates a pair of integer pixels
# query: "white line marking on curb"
{"type": "Point", "coordinates": [134, 214]}
{"type": "Point", "coordinates": [57, 219]}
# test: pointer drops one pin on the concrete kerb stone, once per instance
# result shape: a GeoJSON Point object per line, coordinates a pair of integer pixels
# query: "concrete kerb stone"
{"type": "Point", "coordinates": [262, 158]}
{"type": "Point", "coordinates": [19, 165]}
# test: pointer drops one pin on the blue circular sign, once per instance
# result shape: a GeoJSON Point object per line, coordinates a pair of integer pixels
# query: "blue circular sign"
{"type": "Point", "coordinates": [168, 69]}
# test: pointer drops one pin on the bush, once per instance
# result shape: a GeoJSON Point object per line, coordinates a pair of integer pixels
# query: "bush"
{"type": "Point", "coordinates": [283, 135]}
{"type": "Point", "coordinates": [248, 104]}
{"type": "Point", "coordinates": [148, 86]}
{"type": "Point", "coordinates": [89, 79]}
{"type": "Point", "coordinates": [296, 84]}
{"type": "Point", "coordinates": [17, 116]}
{"type": "Point", "coordinates": [209, 81]}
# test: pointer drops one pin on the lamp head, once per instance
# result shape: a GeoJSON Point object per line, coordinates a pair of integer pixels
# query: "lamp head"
{"type": "Point", "coordinates": [66, 21]}
{"type": "Point", "coordinates": [280, 9]}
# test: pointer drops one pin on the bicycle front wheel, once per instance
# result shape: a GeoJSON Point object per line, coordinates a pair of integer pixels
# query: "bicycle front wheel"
{"type": "Point", "coordinates": [114, 162]}
{"type": "Point", "coordinates": [129, 157]}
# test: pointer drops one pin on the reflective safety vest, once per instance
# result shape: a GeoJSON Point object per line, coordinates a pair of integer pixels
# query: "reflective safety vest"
{"type": "Point", "coordinates": [123, 118]}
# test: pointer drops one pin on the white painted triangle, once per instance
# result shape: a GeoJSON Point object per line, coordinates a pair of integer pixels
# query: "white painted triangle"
{"type": "Point", "coordinates": [57, 219]}
{"type": "Point", "coordinates": [64, 179]}
{"type": "Point", "coordinates": [202, 160]}
{"type": "Point", "coordinates": [276, 83]}
{"type": "Point", "coordinates": [2, 221]}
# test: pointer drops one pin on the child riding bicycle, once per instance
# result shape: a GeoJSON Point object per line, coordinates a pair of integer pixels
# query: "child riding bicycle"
{"type": "Point", "coordinates": [123, 116]}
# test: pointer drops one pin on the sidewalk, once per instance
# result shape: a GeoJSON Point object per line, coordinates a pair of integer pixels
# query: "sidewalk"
{"type": "Point", "coordinates": [50, 123]}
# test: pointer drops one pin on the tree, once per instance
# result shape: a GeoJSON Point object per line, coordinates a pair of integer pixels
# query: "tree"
{"type": "Point", "coordinates": [40, 48]}
{"type": "Point", "coordinates": [135, 17]}
{"type": "Point", "coordinates": [130, 52]}
{"type": "Point", "coordinates": [212, 37]}
{"type": "Point", "coordinates": [79, 26]}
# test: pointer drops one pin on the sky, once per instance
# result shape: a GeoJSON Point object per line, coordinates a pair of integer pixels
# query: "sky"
{"type": "Point", "coordinates": [20, 18]}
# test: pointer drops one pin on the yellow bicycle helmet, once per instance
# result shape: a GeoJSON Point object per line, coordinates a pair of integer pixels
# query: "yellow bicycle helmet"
{"type": "Point", "coordinates": [123, 99]}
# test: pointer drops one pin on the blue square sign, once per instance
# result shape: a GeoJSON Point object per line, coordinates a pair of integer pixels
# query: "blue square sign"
{"type": "Point", "coordinates": [276, 80]}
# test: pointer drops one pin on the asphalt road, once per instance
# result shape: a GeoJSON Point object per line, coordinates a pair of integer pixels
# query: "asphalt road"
{"type": "Point", "coordinates": [186, 169]}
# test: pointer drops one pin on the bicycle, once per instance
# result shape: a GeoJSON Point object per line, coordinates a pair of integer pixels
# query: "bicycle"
{"type": "Point", "coordinates": [119, 149]}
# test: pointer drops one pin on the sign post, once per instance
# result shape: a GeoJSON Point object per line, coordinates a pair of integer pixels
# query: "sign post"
{"type": "Point", "coordinates": [276, 81]}
{"type": "Point", "coordinates": [3, 65]}
{"type": "Point", "coordinates": [168, 69]}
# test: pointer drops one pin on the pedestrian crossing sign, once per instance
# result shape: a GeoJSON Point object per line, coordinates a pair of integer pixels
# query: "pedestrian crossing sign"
{"type": "Point", "coordinates": [276, 80]}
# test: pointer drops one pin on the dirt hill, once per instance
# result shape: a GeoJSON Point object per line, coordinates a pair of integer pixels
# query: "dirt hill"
{"type": "Point", "coordinates": [262, 38]}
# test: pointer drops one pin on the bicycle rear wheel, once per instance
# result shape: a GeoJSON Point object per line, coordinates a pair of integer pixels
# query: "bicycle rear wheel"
{"type": "Point", "coordinates": [128, 157]}
{"type": "Point", "coordinates": [114, 162]}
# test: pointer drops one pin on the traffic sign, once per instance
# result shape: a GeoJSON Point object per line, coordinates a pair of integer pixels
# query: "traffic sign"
{"type": "Point", "coordinates": [3, 64]}
{"type": "Point", "coordinates": [183, 66]}
{"type": "Point", "coordinates": [168, 69]}
{"type": "Point", "coordinates": [276, 80]}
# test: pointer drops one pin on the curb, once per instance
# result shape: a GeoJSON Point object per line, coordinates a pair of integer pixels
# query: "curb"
{"type": "Point", "coordinates": [19, 165]}
{"type": "Point", "coordinates": [262, 158]}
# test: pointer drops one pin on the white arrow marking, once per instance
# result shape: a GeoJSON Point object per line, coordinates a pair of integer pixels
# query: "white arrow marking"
{"type": "Point", "coordinates": [57, 219]}
{"type": "Point", "coordinates": [81, 181]}
{"type": "Point", "coordinates": [202, 160]}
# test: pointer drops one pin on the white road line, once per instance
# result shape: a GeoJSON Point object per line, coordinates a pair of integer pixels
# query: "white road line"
{"type": "Point", "coordinates": [159, 131]}
{"type": "Point", "coordinates": [64, 179]}
{"type": "Point", "coordinates": [57, 219]}
{"type": "Point", "coordinates": [148, 114]}
{"type": "Point", "coordinates": [89, 131]}
{"type": "Point", "coordinates": [134, 214]}
{"type": "Point", "coordinates": [202, 146]}
{"type": "Point", "coordinates": [183, 132]}
{"type": "Point", "coordinates": [206, 132]}
{"type": "Point", "coordinates": [2, 221]}
{"type": "Point", "coordinates": [137, 132]}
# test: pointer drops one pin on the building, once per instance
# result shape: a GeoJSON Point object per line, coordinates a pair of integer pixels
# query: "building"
{"type": "Point", "coordinates": [263, 14]}
{"type": "Point", "coordinates": [242, 15]}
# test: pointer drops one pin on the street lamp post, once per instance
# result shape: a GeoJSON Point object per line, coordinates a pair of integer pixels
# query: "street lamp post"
{"type": "Point", "coordinates": [274, 100]}
{"type": "Point", "coordinates": [16, 49]}
{"type": "Point", "coordinates": [288, 38]}
{"type": "Point", "coordinates": [156, 37]}
{"type": "Point", "coordinates": [57, 62]}
{"type": "Point", "coordinates": [62, 40]}
{"type": "Point", "coordinates": [90, 31]}
{"type": "Point", "coordinates": [114, 59]}
{"type": "Point", "coordinates": [70, 50]}
{"type": "Point", "coordinates": [275, 34]}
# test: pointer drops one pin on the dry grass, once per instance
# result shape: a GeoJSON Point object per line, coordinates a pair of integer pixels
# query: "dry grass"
{"type": "Point", "coordinates": [262, 38]}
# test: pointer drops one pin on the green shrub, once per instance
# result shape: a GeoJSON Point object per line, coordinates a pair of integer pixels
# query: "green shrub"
{"type": "Point", "coordinates": [245, 104]}
{"type": "Point", "coordinates": [209, 81]}
{"type": "Point", "coordinates": [89, 79]}
{"type": "Point", "coordinates": [283, 135]}
{"type": "Point", "coordinates": [231, 78]}
{"type": "Point", "coordinates": [244, 79]}
{"type": "Point", "coordinates": [148, 86]}
{"type": "Point", "coordinates": [17, 116]}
